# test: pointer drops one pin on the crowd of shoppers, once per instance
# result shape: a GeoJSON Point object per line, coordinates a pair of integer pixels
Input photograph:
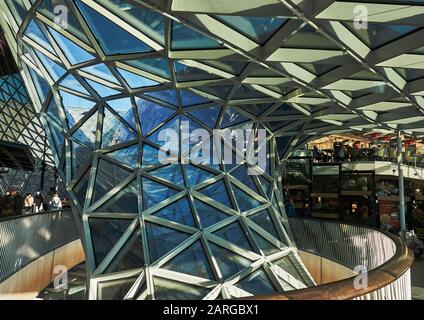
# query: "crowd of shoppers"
{"type": "Point", "coordinates": [13, 203]}
{"type": "Point", "coordinates": [349, 150]}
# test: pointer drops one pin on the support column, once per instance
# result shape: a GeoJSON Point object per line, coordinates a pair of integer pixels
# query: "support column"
{"type": "Point", "coordinates": [401, 184]}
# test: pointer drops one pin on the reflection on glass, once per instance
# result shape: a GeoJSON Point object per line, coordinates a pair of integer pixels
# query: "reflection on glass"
{"type": "Point", "coordinates": [192, 261]}
{"type": "Point", "coordinates": [162, 240]}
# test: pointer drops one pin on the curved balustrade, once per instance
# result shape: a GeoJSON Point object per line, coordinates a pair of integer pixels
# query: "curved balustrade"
{"type": "Point", "coordinates": [343, 247]}
{"type": "Point", "coordinates": [383, 255]}
{"type": "Point", "coordinates": [24, 239]}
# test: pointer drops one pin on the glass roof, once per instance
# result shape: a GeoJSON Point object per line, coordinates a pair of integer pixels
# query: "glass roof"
{"type": "Point", "coordinates": [122, 72]}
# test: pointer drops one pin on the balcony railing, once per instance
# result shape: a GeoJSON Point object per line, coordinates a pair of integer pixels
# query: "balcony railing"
{"type": "Point", "coordinates": [343, 250]}
{"type": "Point", "coordinates": [24, 239]}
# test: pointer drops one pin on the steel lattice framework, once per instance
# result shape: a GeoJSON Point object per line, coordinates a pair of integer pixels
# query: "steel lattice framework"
{"type": "Point", "coordinates": [108, 75]}
{"type": "Point", "coordinates": [18, 120]}
{"type": "Point", "coordinates": [19, 123]}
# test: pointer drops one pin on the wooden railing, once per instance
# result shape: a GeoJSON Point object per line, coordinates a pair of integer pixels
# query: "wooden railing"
{"type": "Point", "coordinates": [385, 257]}
{"type": "Point", "coordinates": [36, 249]}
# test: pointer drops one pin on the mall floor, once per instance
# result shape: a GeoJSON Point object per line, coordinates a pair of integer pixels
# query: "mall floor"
{"type": "Point", "coordinates": [417, 278]}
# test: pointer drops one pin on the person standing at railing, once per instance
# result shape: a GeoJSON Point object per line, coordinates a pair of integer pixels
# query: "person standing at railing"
{"type": "Point", "coordinates": [28, 203]}
{"type": "Point", "coordinates": [38, 202]}
{"type": "Point", "coordinates": [339, 153]}
{"type": "Point", "coordinates": [55, 203]}
{"type": "Point", "coordinates": [317, 154]}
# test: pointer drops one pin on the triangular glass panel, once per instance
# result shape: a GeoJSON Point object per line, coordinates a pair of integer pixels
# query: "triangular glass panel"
{"type": "Point", "coordinates": [283, 144]}
{"type": "Point", "coordinates": [208, 215]}
{"type": "Point", "coordinates": [34, 32]}
{"type": "Point", "coordinates": [234, 234]}
{"type": "Point", "coordinates": [151, 114]}
{"type": "Point", "coordinates": [257, 108]}
{"type": "Point", "coordinates": [275, 125]}
{"type": "Point", "coordinates": [266, 185]}
{"type": "Point", "coordinates": [244, 200]}
{"type": "Point", "coordinates": [264, 220]}
{"type": "Point", "coordinates": [178, 211]}
{"type": "Point", "coordinates": [75, 107]}
{"type": "Point", "coordinates": [287, 265]}
{"type": "Point", "coordinates": [58, 139]}
{"type": "Point", "coordinates": [189, 98]}
{"type": "Point", "coordinates": [72, 51]}
{"type": "Point", "coordinates": [135, 80]}
{"type": "Point", "coordinates": [101, 71]}
{"type": "Point", "coordinates": [115, 289]}
{"type": "Point", "coordinates": [162, 240]}
{"type": "Point", "coordinates": [184, 38]}
{"type": "Point", "coordinates": [124, 108]}
{"type": "Point", "coordinates": [218, 192]}
{"type": "Point", "coordinates": [196, 175]}
{"type": "Point", "coordinates": [150, 22]}
{"type": "Point", "coordinates": [174, 125]}
{"type": "Point", "coordinates": [81, 155]}
{"type": "Point", "coordinates": [229, 262]}
{"type": "Point", "coordinates": [108, 176]}
{"type": "Point", "coordinates": [192, 261]}
{"type": "Point", "coordinates": [116, 40]}
{"type": "Point", "coordinates": [171, 172]}
{"type": "Point", "coordinates": [166, 289]}
{"type": "Point", "coordinates": [242, 175]}
{"type": "Point", "coordinates": [114, 130]}
{"type": "Point", "coordinates": [40, 84]}
{"type": "Point", "coordinates": [168, 96]}
{"type": "Point", "coordinates": [86, 133]}
{"type": "Point", "coordinates": [71, 83]}
{"type": "Point", "coordinates": [257, 283]}
{"type": "Point", "coordinates": [232, 118]}
{"type": "Point", "coordinates": [104, 235]}
{"type": "Point", "coordinates": [150, 156]}
{"type": "Point", "coordinates": [284, 110]}
{"type": "Point", "coordinates": [267, 247]}
{"type": "Point", "coordinates": [259, 29]}
{"type": "Point", "coordinates": [54, 69]}
{"type": "Point", "coordinates": [21, 11]}
{"type": "Point", "coordinates": [247, 92]}
{"type": "Point", "coordinates": [154, 193]}
{"type": "Point", "coordinates": [275, 203]}
{"type": "Point", "coordinates": [379, 34]}
{"type": "Point", "coordinates": [208, 116]}
{"type": "Point", "coordinates": [188, 73]}
{"type": "Point", "coordinates": [127, 155]}
{"type": "Point", "coordinates": [191, 136]}
{"type": "Point", "coordinates": [53, 110]}
{"type": "Point", "coordinates": [220, 91]}
{"type": "Point", "coordinates": [157, 66]}
{"type": "Point", "coordinates": [102, 91]}
{"type": "Point", "coordinates": [80, 188]}
{"type": "Point", "coordinates": [125, 200]}
{"type": "Point", "coordinates": [130, 256]}
{"type": "Point", "coordinates": [48, 9]}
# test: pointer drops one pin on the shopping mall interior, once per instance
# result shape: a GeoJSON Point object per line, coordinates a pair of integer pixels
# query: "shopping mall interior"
{"type": "Point", "coordinates": [211, 150]}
